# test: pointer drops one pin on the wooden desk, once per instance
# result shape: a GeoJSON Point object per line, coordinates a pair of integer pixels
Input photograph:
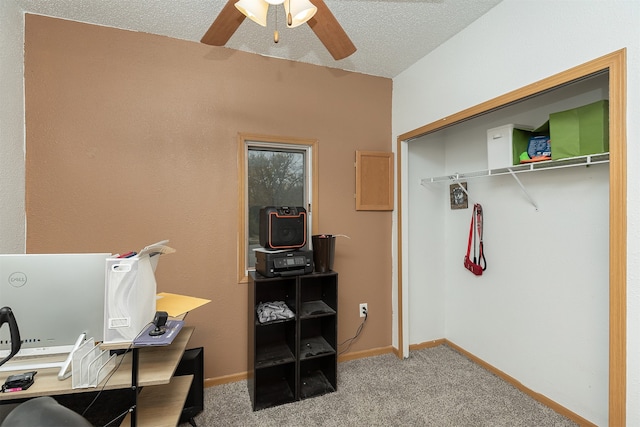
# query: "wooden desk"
{"type": "Point", "coordinates": [156, 368]}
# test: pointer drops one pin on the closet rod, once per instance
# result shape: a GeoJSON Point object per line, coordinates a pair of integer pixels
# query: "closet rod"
{"type": "Point", "coordinates": [592, 159]}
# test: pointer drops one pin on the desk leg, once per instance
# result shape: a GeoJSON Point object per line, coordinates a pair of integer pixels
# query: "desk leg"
{"type": "Point", "coordinates": [134, 387]}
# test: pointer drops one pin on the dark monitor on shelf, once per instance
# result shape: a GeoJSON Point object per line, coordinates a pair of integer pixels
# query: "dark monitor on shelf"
{"type": "Point", "coordinates": [54, 297]}
{"type": "Point", "coordinates": [192, 363]}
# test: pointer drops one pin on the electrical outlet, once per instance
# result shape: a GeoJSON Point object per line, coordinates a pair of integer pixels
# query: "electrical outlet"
{"type": "Point", "coordinates": [363, 309]}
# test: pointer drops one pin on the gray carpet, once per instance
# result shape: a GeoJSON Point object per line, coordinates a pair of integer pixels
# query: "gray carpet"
{"type": "Point", "coordinates": [433, 387]}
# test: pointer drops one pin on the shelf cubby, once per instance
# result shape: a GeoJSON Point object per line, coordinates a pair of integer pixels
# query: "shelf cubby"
{"type": "Point", "coordinates": [317, 337]}
{"type": "Point", "coordinates": [317, 377]}
{"type": "Point", "coordinates": [275, 385]}
{"type": "Point", "coordinates": [275, 343]}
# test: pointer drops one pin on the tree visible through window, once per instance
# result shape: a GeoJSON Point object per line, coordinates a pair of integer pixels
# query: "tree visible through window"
{"type": "Point", "coordinates": [275, 177]}
{"type": "Point", "coordinates": [272, 171]}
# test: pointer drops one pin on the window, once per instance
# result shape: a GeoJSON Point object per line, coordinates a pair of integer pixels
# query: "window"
{"type": "Point", "coordinates": [272, 172]}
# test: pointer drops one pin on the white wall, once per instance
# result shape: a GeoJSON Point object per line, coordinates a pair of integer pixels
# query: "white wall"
{"type": "Point", "coordinates": [12, 213]}
{"type": "Point", "coordinates": [517, 43]}
{"type": "Point", "coordinates": [426, 311]}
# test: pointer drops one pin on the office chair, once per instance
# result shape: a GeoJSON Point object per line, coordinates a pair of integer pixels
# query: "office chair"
{"type": "Point", "coordinates": [43, 411]}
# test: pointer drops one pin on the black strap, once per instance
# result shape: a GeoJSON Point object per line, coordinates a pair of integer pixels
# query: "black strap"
{"type": "Point", "coordinates": [478, 217]}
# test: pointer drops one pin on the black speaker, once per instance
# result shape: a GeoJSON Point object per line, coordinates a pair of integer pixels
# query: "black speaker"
{"type": "Point", "coordinates": [192, 363]}
{"type": "Point", "coordinates": [283, 227]}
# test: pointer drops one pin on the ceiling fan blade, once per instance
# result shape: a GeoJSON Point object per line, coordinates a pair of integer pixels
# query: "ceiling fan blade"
{"type": "Point", "coordinates": [224, 26]}
{"type": "Point", "coordinates": [330, 32]}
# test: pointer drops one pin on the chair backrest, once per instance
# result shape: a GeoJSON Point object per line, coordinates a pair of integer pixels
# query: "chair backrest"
{"type": "Point", "coordinates": [43, 412]}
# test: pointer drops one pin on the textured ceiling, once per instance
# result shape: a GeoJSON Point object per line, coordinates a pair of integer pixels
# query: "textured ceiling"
{"type": "Point", "coordinates": [390, 35]}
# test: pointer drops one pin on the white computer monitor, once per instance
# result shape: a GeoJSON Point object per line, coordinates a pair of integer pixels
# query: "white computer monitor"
{"type": "Point", "coordinates": [54, 297]}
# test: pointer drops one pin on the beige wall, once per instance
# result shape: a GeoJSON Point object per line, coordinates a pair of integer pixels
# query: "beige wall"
{"type": "Point", "coordinates": [131, 139]}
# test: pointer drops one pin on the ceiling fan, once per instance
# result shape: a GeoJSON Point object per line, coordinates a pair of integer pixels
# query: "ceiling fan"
{"type": "Point", "coordinates": [323, 24]}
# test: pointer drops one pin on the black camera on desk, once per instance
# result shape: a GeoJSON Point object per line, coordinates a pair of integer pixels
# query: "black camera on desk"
{"type": "Point", "coordinates": [160, 320]}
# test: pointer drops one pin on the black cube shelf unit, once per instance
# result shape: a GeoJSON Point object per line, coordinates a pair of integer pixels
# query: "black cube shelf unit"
{"type": "Point", "coordinates": [296, 358]}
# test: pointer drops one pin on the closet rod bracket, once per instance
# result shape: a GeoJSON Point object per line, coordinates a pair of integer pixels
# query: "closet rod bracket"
{"type": "Point", "coordinates": [457, 181]}
{"type": "Point", "coordinates": [522, 187]}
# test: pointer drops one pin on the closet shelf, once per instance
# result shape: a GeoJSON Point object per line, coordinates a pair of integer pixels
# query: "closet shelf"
{"type": "Point", "coordinates": [592, 159]}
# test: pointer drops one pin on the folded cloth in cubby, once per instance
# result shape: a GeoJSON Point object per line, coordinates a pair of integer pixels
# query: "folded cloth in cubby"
{"type": "Point", "coordinates": [270, 311]}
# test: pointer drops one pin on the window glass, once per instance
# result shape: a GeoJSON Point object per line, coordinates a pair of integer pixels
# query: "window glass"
{"type": "Point", "coordinates": [275, 177]}
{"type": "Point", "coordinates": [272, 171]}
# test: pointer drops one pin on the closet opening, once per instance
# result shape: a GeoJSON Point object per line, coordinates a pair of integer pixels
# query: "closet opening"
{"type": "Point", "coordinates": [611, 67]}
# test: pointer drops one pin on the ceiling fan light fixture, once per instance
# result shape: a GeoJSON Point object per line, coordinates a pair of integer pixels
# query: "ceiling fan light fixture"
{"type": "Point", "coordinates": [275, 2]}
{"type": "Point", "coordinates": [256, 10]}
{"type": "Point", "coordinates": [300, 12]}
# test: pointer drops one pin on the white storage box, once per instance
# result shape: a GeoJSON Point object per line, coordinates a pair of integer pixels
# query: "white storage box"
{"type": "Point", "coordinates": [130, 293]}
{"type": "Point", "coordinates": [500, 146]}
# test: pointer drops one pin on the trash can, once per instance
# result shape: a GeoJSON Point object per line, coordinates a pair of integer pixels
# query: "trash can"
{"type": "Point", "coordinates": [324, 248]}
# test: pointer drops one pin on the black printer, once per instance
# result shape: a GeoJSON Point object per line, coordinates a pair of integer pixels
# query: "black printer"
{"type": "Point", "coordinates": [284, 263]}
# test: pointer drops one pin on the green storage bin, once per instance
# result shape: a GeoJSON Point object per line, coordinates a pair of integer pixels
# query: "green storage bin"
{"type": "Point", "coordinates": [580, 131]}
{"type": "Point", "coordinates": [520, 140]}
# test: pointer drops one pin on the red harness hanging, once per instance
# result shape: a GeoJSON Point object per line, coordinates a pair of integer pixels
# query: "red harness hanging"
{"type": "Point", "coordinates": [479, 263]}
